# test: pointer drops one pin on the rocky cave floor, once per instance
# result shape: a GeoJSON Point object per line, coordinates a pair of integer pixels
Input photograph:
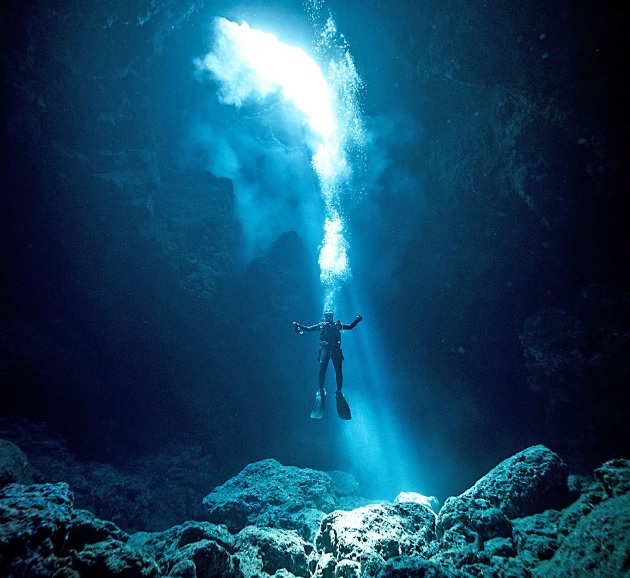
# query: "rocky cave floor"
{"type": "Point", "coordinates": [528, 517]}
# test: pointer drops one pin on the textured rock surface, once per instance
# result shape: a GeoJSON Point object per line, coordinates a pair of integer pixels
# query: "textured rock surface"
{"type": "Point", "coordinates": [372, 534]}
{"type": "Point", "coordinates": [193, 548]}
{"type": "Point", "coordinates": [267, 493]}
{"type": "Point", "coordinates": [151, 494]}
{"type": "Point", "coordinates": [14, 465]}
{"type": "Point", "coordinates": [268, 550]}
{"type": "Point", "coordinates": [33, 521]}
{"type": "Point", "coordinates": [530, 482]}
{"type": "Point", "coordinates": [593, 532]}
{"type": "Point", "coordinates": [599, 545]}
{"type": "Point", "coordinates": [475, 534]}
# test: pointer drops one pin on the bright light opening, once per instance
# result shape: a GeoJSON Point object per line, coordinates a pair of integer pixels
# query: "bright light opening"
{"type": "Point", "coordinates": [251, 64]}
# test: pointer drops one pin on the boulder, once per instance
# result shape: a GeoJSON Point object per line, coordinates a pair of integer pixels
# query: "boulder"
{"type": "Point", "coordinates": [614, 477]}
{"type": "Point", "coordinates": [14, 465]}
{"type": "Point", "coordinates": [207, 557]}
{"type": "Point", "coordinates": [265, 551]}
{"type": "Point", "coordinates": [476, 534]}
{"type": "Point", "coordinates": [527, 483]}
{"type": "Point", "coordinates": [113, 558]}
{"type": "Point", "coordinates": [597, 546]}
{"type": "Point", "coordinates": [467, 520]}
{"type": "Point", "coordinates": [33, 522]}
{"type": "Point", "coordinates": [190, 549]}
{"type": "Point", "coordinates": [429, 501]}
{"type": "Point", "coordinates": [371, 535]}
{"type": "Point", "coordinates": [266, 493]}
{"type": "Point", "coordinates": [477, 528]}
{"type": "Point", "coordinates": [535, 537]}
{"type": "Point", "coordinates": [41, 534]}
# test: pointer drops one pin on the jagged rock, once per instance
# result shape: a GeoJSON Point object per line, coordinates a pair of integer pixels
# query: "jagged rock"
{"type": "Point", "coordinates": [266, 493]}
{"type": "Point", "coordinates": [192, 546]}
{"type": "Point", "coordinates": [535, 537]}
{"type": "Point", "coordinates": [499, 547]}
{"type": "Point", "coordinates": [416, 567]}
{"type": "Point", "coordinates": [33, 522]}
{"type": "Point", "coordinates": [598, 546]}
{"type": "Point", "coordinates": [429, 501]}
{"type": "Point", "coordinates": [526, 484]}
{"type": "Point", "coordinates": [371, 535]}
{"type": "Point", "coordinates": [14, 465]}
{"type": "Point", "coordinates": [42, 535]}
{"type": "Point", "coordinates": [209, 559]}
{"type": "Point", "coordinates": [85, 528]}
{"type": "Point", "coordinates": [610, 480]}
{"type": "Point", "coordinates": [114, 558]}
{"type": "Point", "coordinates": [530, 482]}
{"type": "Point", "coordinates": [265, 551]}
{"type": "Point", "coordinates": [469, 520]}
{"type": "Point", "coordinates": [614, 477]}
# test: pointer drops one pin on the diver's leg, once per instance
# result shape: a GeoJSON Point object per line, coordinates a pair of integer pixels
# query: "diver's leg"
{"type": "Point", "coordinates": [337, 363]}
{"type": "Point", "coordinates": [343, 409]}
{"type": "Point", "coordinates": [323, 366]}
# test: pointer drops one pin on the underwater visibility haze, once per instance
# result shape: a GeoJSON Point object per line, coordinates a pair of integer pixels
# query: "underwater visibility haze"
{"type": "Point", "coordinates": [184, 180]}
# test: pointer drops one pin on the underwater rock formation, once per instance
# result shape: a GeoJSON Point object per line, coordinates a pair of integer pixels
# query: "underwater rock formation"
{"type": "Point", "coordinates": [269, 494]}
{"type": "Point", "coordinates": [14, 465]}
{"type": "Point", "coordinates": [526, 518]}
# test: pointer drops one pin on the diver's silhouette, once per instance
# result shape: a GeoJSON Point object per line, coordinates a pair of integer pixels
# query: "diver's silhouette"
{"type": "Point", "coordinates": [329, 348]}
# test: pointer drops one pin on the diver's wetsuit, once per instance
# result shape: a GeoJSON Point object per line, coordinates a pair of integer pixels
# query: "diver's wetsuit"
{"type": "Point", "coordinates": [330, 347]}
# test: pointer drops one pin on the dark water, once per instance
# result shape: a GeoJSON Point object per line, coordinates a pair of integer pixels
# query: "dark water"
{"type": "Point", "coordinates": [143, 304]}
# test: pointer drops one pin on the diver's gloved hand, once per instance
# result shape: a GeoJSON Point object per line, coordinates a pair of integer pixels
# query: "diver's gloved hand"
{"type": "Point", "coordinates": [359, 317]}
{"type": "Point", "coordinates": [298, 327]}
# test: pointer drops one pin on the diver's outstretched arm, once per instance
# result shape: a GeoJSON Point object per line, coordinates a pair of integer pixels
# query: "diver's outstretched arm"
{"type": "Point", "coordinates": [299, 328]}
{"type": "Point", "coordinates": [353, 324]}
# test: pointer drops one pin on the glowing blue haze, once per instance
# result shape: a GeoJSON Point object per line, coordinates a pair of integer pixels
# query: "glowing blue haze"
{"type": "Point", "coordinates": [250, 65]}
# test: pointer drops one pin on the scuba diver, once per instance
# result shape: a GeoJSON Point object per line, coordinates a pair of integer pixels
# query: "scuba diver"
{"type": "Point", "coordinates": [329, 348]}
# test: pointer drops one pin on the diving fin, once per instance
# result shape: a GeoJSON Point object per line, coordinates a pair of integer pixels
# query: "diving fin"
{"type": "Point", "coordinates": [343, 409]}
{"type": "Point", "coordinates": [317, 411]}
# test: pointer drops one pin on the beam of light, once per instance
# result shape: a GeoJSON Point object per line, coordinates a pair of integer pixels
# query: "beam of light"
{"type": "Point", "coordinates": [252, 65]}
{"type": "Point", "coordinates": [376, 447]}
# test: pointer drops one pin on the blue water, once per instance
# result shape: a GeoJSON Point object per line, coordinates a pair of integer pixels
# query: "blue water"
{"type": "Point", "coordinates": [158, 241]}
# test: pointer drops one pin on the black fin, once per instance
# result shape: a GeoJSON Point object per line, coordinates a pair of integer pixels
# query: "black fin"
{"type": "Point", "coordinates": [343, 409]}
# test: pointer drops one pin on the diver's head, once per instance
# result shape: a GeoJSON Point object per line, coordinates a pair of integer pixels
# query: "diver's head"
{"type": "Point", "coordinates": [328, 315]}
